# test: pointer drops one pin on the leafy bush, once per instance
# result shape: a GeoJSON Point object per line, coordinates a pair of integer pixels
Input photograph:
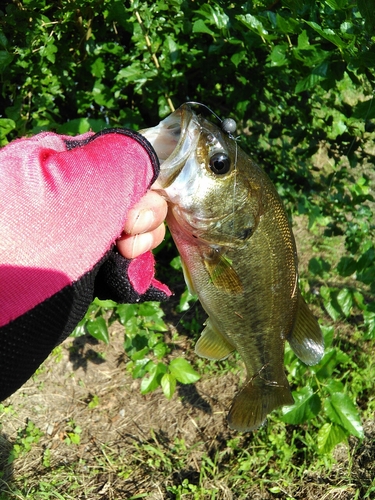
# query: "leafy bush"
{"type": "Point", "coordinates": [298, 77]}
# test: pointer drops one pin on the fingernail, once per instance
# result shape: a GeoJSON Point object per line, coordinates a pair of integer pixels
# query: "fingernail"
{"type": "Point", "coordinates": [141, 244]}
{"type": "Point", "coordinates": [143, 222]}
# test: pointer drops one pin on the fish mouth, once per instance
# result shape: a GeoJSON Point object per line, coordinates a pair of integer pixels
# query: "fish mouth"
{"type": "Point", "coordinates": [173, 140]}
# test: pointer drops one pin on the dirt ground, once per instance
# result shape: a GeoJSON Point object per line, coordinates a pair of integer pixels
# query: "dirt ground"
{"type": "Point", "coordinates": [109, 461]}
{"type": "Point", "coordinates": [58, 399]}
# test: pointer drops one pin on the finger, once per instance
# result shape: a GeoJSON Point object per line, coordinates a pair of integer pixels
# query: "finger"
{"type": "Point", "coordinates": [146, 215]}
{"type": "Point", "coordinates": [133, 246]}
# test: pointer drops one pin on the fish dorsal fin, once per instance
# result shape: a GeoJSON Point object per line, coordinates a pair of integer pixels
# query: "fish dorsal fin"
{"type": "Point", "coordinates": [306, 338]}
{"type": "Point", "coordinates": [221, 272]}
{"type": "Point", "coordinates": [212, 344]}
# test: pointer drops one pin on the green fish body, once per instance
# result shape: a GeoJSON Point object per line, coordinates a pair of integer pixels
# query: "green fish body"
{"type": "Point", "coordinates": [239, 256]}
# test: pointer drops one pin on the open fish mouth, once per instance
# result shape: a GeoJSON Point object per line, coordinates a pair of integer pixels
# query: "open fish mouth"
{"type": "Point", "coordinates": [174, 139]}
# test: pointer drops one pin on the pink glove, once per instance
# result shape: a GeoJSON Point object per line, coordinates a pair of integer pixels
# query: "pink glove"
{"type": "Point", "coordinates": [64, 202]}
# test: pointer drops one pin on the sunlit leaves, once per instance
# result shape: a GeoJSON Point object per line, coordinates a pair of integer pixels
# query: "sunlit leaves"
{"type": "Point", "coordinates": [326, 396]}
{"type": "Point", "coordinates": [306, 406]}
{"type": "Point", "coordinates": [168, 384]}
{"type": "Point", "coordinates": [183, 371]}
{"type": "Point", "coordinates": [341, 410]}
{"type": "Point", "coordinates": [97, 328]}
{"type": "Point", "coordinates": [329, 435]}
{"type": "Point", "coordinates": [200, 27]}
{"type": "Point", "coordinates": [144, 343]}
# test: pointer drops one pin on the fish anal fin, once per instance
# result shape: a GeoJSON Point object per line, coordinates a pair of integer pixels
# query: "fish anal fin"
{"type": "Point", "coordinates": [254, 402]}
{"type": "Point", "coordinates": [212, 344]}
{"type": "Point", "coordinates": [221, 272]}
{"type": "Point", "coordinates": [306, 338]}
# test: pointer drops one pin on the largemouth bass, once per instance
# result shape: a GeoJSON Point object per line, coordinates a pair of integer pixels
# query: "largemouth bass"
{"type": "Point", "coordinates": [239, 256]}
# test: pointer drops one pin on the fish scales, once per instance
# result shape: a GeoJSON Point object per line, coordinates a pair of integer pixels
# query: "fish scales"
{"type": "Point", "coordinates": [239, 257]}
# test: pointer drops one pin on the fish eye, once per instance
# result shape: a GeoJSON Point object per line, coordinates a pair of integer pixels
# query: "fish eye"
{"type": "Point", "coordinates": [220, 163]}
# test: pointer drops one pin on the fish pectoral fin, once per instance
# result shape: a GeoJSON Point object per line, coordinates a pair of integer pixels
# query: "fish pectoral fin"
{"type": "Point", "coordinates": [212, 344]}
{"type": "Point", "coordinates": [222, 274]}
{"type": "Point", "coordinates": [306, 338]}
{"type": "Point", "coordinates": [255, 401]}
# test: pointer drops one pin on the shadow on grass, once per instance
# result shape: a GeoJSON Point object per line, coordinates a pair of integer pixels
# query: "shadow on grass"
{"type": "Point", "coordinates": [190, 395]}
{"type": "Point", "coordinates": [80, 355]}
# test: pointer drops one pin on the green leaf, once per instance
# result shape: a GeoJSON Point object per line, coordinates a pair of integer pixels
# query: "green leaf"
{"type": "Point", "coordinates": [328, 334]}
{"type": "Point", "coordinates": [341, 410]}
{"type": "Point", "coordinates": [278, 57]}
{"type": "Point", "coordinates": [6, 126]}
{"type": "Point", "coordinates": [135, 342]}
{"type": "Point", "coordinates": [106, 304]}
{"type": "Point", "coordinates": [98, 67]}
{"type": "Point", "coordinates": [176, 263]}
{"type": "Point", "coordinates": [5, 59]}
{"type": "Point", "coordinates": [306, 406]}
{"type": "Point", "coordinates": [183, 371]}
{"type": "Point", "coordinates": [347, 266]}
{"type": "Point", "coordinates": [318, 74]}
{"type": "Point", "coordinates": [81, 125]}
{"type": "Point", "coordinates": [174, 52]}
{"type": "Point", "coordinates": [49, 51]}
{"type": "Point", "coordinates": [287, 25]}
{"type": "Point", "coordinates": [369, 323]}
{"type": "Point", "coordinates": [331, 359]}
{"type": "Point", "coordinates": [328, 34]}
{"type": "Point", "coordinates": [140, 355]}
{"type": "Point", "coordinates": [153, 381]}
{"type": "Point", "coordinates": [367, 11]}
{"type": "Point", "coordinates": [253, 23]}
{"type": "Point", "coordinates": [200, 27]}
{"type": "Point", "coordinates": [334, 386]}
{"type": "Point", "coordinates": [80, 329]}
{"type": "Point", "coordinates": [319, 266]}
{"type": "Point", "coordinates": [303, 41]}
{"type": "Point", "coordinates": [237, 57]}
{"type": "Point", "coordinates": [185, 300]}
{"type": "Point", "coordinates": [160, 349]}
{"type": "Point", "coordinates": [126, 312]}
{"type": "Point", "coordinates": [330, 303]}
{"type": "Point", "coordinates": [3, 40]}
{"type": "Point", "coordinates": [336, 4]}
{"type": "Point", "coordinates": [149, 309]}
{"type": "Point", "coordinates": [168, 384]}
{"type": "Point", "coordinates": [97, 328]}
{"type": "Point", "coordinates": [345, 301]}
{"type": "Point", "coordinates": [329, 436]}
{"type": "Point", "coordinates": [139, 368]}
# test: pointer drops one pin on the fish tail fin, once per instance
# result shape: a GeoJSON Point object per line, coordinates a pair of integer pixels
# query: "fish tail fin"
{"type": "Point", "coordinates": [254, 402]}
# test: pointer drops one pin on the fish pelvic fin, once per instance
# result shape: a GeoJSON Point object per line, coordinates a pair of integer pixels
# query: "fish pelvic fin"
{"type": "Point", "coordinates": [212, 344]}
{"type": "Point", "coordinates": [255, 401]}
{"type": "Point", "coordinates": [306, 338]}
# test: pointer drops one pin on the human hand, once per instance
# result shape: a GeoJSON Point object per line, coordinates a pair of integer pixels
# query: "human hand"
{"type": "Point", "coordinates": [144, 227]}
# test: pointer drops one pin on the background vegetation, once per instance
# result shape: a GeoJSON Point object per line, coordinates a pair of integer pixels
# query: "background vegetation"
{"type": "Point", "coordinates": [298, 77]}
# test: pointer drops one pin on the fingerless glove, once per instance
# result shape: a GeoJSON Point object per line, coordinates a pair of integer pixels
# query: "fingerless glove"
{"type": "Point", "coordinates": [64, 203]}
